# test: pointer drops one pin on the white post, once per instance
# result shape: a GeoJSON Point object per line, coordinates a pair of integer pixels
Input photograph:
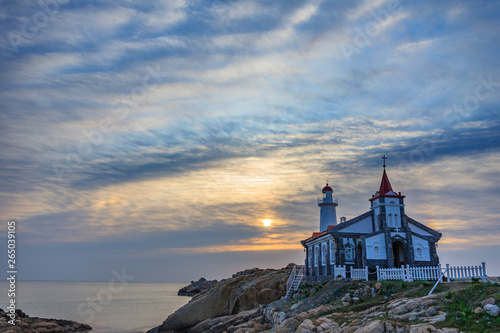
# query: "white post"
{"type": "Point", "coordinates": [484, 271]}
{"type": "Point", "coordinates": [378, 273]}
{"type": "Point", "coordinates": [448, 270]}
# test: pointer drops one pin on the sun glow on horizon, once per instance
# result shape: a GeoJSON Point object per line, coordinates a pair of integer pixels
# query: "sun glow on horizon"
{"type": "Point", "coordinates": [266, 222]}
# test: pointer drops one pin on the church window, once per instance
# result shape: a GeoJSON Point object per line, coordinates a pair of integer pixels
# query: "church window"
{"type": "Point", "coordinates": [332, 252]}
{"type": "Point", "coordinates": [397, 223]}
{"type": "Point", "coordinates": [419, 252]}
{"type": "Point", "coordinates": [389, 221]}
{"type": "Point", "coordinates": [323, 254]}
{"type": "Point", "coordinates": [376, 250]}
{"type": "Point", "coordinates": [316, 255]}
{"type": "Point", "coordinates": [349, 254]}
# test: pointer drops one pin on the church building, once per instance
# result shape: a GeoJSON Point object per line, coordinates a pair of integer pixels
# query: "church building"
{"type": "Point", "coordinates": [384, 236]}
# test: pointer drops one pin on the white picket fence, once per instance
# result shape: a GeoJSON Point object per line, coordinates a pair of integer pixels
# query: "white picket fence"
{"type": "Point", "coordinates": [432, 273]}
{"type": "Point", "coordinates": [466, 272]}
{"type": "Point", "coordinates": [429, 273]}
{"type": "Point", "coordinates": [425, 273]}
{"type": "Point", "coordinates": [340, 270]}
{"type": "Point", "coordinates": [359, 273]}
{"type": "Point", "coordinates": [409, 273]}
{"type": "Point", "coordinates": [391, 274]}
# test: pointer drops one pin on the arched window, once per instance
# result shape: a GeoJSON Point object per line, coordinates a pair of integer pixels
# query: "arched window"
{"type": "Point", "coordinates": [376, 250]}
{"type": "Point", "coordinates": [397, 222]}
{"type": "Point", "coordinates": [349, 253]}
{"type": "Point", "coordinates": [323, 254]}
{"type": "Point", "coordinates": [316, 255]}
{"type": "Point", "coordinates": [332, 252]}
{"type": "Point", "coordinates": [389, 220]}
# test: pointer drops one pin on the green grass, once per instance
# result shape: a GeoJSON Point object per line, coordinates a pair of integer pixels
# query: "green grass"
{"type": "Point", "coordinates": [425, 289]}
{"type": "Point", "coordinates": [460, 309]}
{"type": "Point", "coordinates": [459, 305]}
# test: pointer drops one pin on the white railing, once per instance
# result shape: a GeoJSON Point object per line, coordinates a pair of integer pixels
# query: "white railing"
{"type": "Point", "coordinates": [334, 200]}
{"type": "Point", "coordinates": [428, 273]}
{"type": "Point", "coordinates": [294, 280]}
{"type": "Point", "coordinates": [432, 273]}
{"type": "Point", "coordinates": [339, 270]}
{"type": "Point", "coordinates": [359, 273]}
{"type": "Point", "coordinates": [291, 278]}
{"type": "Point", "coordinates": [466, 272]}
{"type": "Point", "coordinates": [300, 275]}
{"type": "Point", "coordinates": [391, 274]}
{"type": "Point", "coordinates": [425, 273]}
{"type": "Point", "coordinates": [438, 281]}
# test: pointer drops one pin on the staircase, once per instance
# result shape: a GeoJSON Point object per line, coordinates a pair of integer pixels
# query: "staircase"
{"type": "Point", "coordinates": [294, 280]}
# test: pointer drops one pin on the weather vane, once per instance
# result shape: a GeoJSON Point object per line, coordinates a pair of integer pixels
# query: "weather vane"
{"type": "Point", "coordinates": [384, 158]}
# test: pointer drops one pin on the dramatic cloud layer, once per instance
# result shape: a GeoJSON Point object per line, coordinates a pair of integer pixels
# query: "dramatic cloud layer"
{"type": "Point", "coordinates": [159, 136]}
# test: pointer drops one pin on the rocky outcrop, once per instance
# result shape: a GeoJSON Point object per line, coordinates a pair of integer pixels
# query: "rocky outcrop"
{"type": "Point", "coordinates": [244, 291]}
{"type": "Point", "coordinates": [196, 287]}
{"type": "Point", "coordinates": [251, 302]}
{"type": "Point", "coordinates": [25, 324]}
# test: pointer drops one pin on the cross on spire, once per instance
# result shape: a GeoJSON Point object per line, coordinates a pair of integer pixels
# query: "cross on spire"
{"type": "Point", "coordinates": [384, 158]}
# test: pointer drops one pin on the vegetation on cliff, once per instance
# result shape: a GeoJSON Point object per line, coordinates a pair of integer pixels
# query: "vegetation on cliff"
{"type": "Point", "coordinates": [252, 301]}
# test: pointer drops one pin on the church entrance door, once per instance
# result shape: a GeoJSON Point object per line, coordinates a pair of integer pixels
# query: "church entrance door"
{"type": "Point", "coordinates": [359, 256]}
{"type": "Point", "coordinates": [398, 253]}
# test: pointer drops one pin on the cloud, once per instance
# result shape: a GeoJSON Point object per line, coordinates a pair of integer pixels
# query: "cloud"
{"type": "Point", "coordinates": [228, 112]}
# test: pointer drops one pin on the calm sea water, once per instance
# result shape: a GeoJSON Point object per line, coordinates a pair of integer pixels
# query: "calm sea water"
{"type": "Point", "coordinates": [136, 307]}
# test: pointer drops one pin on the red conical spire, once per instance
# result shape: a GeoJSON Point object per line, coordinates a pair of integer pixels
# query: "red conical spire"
{"type": "Point", "coordinates": [386, 189]}
{"type": "Point", "coordinates": [385, 185]}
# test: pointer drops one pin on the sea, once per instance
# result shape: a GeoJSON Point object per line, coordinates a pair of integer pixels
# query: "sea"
{"type": "Point", "coordinates": [107, 308]}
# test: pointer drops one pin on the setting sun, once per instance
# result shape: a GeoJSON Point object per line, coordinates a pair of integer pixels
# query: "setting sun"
{"type": "Point", "coordinates": [267, 223]}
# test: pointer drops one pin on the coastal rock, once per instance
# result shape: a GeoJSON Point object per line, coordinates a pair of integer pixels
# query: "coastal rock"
{"type": "Point", "coordinates": [244, 291]}
{"type": "Point", "coordinates": [196, 287]}
{"type": "Point", "coordinates": [307, 326]}
{"type": "Point", "coordinates": [25, 323]}
{"type": "Point", "coordinates": [431, 311]}
{"type": "Point", "coordinates": [375, 326]}
{"type": "Point", "coordinates": [316, 308]}
{"type": "Point", "coordinates": [492, 309]}
{"type": "Point", "coordinates": [426, 328]}
{"type": "Point", "coordinates": [489, 300]}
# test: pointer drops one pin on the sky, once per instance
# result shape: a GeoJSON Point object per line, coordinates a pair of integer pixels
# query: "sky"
{"type": "Point", "coordinates": [156, 136]}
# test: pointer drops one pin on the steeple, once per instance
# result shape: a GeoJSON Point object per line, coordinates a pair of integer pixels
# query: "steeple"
{"type": "Point", "coordinates": [387, 205]}
{"type": "Point", "coordinates": [385, 185]}
{"type": "Point", "coordinates": [385, 189]}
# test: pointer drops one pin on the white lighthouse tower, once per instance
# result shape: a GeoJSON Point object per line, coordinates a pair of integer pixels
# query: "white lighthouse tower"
{"type": "Point", "coordinates": [328, 215]}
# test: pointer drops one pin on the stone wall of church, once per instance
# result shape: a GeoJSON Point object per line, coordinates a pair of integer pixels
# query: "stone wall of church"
{"type": "Point", "coordinates": [320, 259]}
